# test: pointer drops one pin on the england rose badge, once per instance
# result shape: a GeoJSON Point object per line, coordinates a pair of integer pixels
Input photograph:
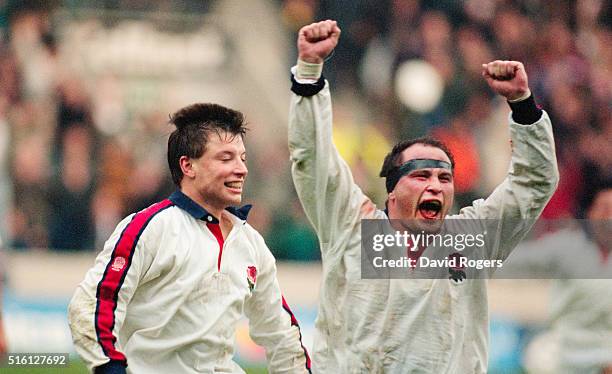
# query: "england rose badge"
{"type": "Point", "coordinates": [251, 277]}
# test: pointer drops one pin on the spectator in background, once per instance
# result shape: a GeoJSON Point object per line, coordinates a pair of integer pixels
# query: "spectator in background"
{"type": "Point", "coordinates": [363, 19]}
{"type": "Point", "coordinates": [30, 171]}
{"type": "Point", "coordinates": [30, 138]}
{"type": "Point", "coordinates": [73, 110]}
{"type": "Point", "coordinates": [70, 221]}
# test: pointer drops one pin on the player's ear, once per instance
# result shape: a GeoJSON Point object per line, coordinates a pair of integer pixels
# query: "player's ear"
{"type": "Point", "coordinates": [186, 166]}
{"type": "Point", "coordinates": [391, 197]}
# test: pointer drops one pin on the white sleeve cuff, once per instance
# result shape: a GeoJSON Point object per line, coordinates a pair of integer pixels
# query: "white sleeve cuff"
{"type": "Point", "coordinates": [522, 98]}
{"type": "Point", "coordinates": [307, 71]}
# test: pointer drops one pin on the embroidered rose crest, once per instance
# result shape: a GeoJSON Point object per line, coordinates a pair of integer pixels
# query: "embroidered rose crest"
{"type": "Point", "coordinates": [456, 270]}
{"type": "Point", "coordinates": [118, 264]}
{"type": "Point", "coordinates": [251, 277]}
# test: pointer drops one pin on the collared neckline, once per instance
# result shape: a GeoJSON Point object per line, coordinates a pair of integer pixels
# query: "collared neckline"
{"type": "Point", "coordinates": [198, 212]}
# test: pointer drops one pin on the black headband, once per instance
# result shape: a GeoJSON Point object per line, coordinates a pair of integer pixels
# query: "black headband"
{"type": "Point", "coordinates": [419, 163]}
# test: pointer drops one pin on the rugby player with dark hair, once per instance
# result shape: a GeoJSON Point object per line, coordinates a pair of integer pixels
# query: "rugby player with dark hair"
{"type": "Point", "coordinates": [406, 325]}
{"type": "Point", "coordinates": [171, 284]}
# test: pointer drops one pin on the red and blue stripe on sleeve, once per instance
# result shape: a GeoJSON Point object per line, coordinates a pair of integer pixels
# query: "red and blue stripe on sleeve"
{"type": "Point", "coordinates": [294, 322]}
{"type": "Point", "coordinates": [114, 275]}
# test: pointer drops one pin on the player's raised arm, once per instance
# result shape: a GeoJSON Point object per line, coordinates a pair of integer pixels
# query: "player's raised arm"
{"type": "Point", "coordinates": [322, 178]}
{"type": "Point", "coordinates": [533, 174]}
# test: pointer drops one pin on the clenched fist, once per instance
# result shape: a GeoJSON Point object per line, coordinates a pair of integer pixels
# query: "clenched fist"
{"type": "Point", "coordinates": [507, 78]}
{"type": "Point", "coordinates": [317, 40]}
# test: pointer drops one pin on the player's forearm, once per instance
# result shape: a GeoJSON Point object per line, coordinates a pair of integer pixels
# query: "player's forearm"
{"type": "Point", "coordinates": [323, 180]}
{"type": "Point", "coordinates": [310, 147]}
{"type": "Point", "coordinates": [534, 174]}
{"type": "Point", "coordinates": [81, 320]}
{"type": "Point", "coordinates": [281, 337]}
{"type": "Point", "coordinates": [288, 361]}
{"type": "Point", "coordinates": [521, 197]}
{"type": "Point", "coordinates": [534, 165]}
{"type": "Point", "coordinates": [309, 116]}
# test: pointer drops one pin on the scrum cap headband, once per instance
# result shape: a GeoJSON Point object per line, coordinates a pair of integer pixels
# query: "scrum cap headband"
{"type": "Point", "coordinates": [419, 163]}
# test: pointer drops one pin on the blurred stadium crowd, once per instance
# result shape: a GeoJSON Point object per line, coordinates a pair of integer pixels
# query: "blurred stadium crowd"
{"type": "Point", "coordinates": [67, 175]}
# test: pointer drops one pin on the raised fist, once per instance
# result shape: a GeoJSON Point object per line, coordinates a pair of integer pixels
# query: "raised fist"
{"type": "Point", "coordinates": [507, 78]}
{"type": "Point", "coordinates": [317, 40]}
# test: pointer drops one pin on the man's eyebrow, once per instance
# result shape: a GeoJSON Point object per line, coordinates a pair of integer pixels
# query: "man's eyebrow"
{"type": "Point", "coordinates": [429, 170]}
{"type": "Point", "coordinates": [420, 171]}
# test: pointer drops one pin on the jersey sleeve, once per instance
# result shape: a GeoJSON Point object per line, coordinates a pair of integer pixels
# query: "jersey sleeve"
{"type": "Point", "coordinates": [331, 199]}
{"type": "Point", "coordinates": [98, 307]}
{"type": "Point", "coordinates": [518, 201]}
{"type": "Point", "coordinates": [271, 321]}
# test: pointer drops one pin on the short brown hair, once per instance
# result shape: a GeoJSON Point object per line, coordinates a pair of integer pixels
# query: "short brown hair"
{"type": "Point", "coordinates": [392, 160]}
{"type": "Point", "coordinates": [193, 125]}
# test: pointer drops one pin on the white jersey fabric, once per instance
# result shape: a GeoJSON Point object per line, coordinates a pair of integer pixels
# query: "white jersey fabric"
{"type": "Point", "coordinates": [396, 325]}
{"type": "Point", "coordinates": [164, 297]}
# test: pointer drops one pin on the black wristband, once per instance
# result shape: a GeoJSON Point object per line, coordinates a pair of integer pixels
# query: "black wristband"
{"type": "Point", "coordinates": [111, 367]}
{"type": "Point", "coordinates": [526, 112]}
{"type": "Point", "coordinates": [307, 89]}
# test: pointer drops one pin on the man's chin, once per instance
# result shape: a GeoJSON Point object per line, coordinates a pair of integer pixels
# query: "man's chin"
{"type": "Point", "coordinates": [428, 226]}
{"type": "Point", "coordinates": [230, 200]}
{"type": "Point", "coordinates": [235, 201]}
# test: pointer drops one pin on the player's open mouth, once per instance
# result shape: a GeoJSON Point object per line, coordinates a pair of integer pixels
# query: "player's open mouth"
{"type": "Point", "coordinates": [430, 209]}
{"type": "Point", "coordinates": [235, 185]}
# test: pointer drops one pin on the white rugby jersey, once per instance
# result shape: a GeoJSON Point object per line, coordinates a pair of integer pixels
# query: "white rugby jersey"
{"type": "Point", "coordinates": [166, 293]}
{"type": "Point", "coordinates": [402, 325]}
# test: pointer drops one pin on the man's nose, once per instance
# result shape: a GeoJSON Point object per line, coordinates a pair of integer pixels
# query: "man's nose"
{"type": "Point", "coordinates": [434, 185]}
{"type": "Point", "coordinates": [241, 168]}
